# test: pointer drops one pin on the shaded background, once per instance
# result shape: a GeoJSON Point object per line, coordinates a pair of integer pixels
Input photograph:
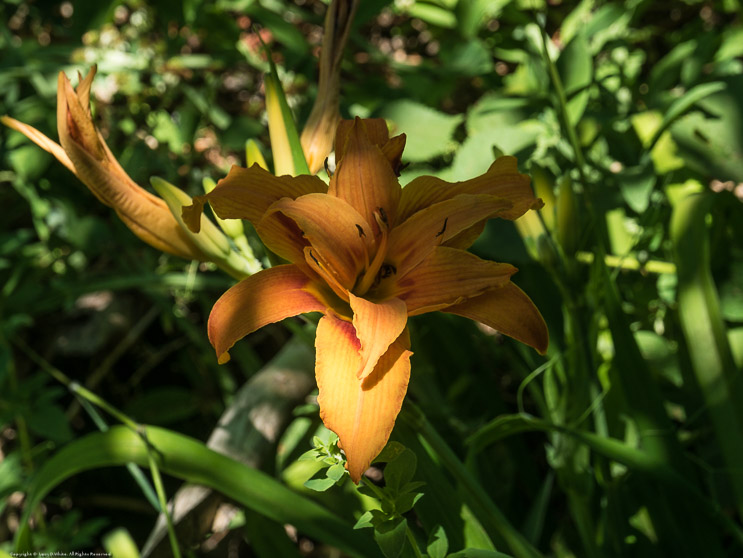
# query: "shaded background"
{"type": "Point", "coordinates": [178, 93]}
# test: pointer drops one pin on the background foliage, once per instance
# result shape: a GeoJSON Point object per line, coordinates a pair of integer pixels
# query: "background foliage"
{"type": "Point", "coordinates": [624, 441]}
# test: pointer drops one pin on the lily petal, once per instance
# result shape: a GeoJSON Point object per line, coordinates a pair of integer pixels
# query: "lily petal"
{"type": "Point", "coordinates": [377, 325]}
{"type": "Point", "coordinates": [264, 298]}
{"type": "Point", "coordinates": [510, 311]}
{"type": "Point", "coordinates": [92, 162]}
{"type": "Point", "coordinates": [248, 193]}
{"type": "Point", "coordinates": [39, 139]}
{"type": "Point", "coordinates": [415, 239]}
{"type": "Point", "coordinates": [74, 122]}
{"type": "Point", "coordinates": [365, 179]}
{"type": "Point", "coordinates": [361, 412]}
{"type": "Point", "coordinates": [502, 180]}
{"type": "Point", "coordinates": [338, 235]}
{"type": "Point", "coordinates": [448, 276]}
{"type": "Point", "coordinates": [393, 151]}
{"type": "Point", "coordinates": [376, 131]}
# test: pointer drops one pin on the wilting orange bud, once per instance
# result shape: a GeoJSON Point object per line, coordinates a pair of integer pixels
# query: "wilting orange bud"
{"type": "Point", "coordinates": [319, 132]}
{"type": "Point", "coordinates": [86, 154]}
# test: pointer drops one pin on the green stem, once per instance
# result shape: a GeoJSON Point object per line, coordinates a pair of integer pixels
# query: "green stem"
{"type": "Point", "coordinates": [563, 105]}
{"type": "Point", "coordinates": [157, 480]}
{"type": "Point", "coordinates": [489, 515]}
{"type": "Point", "coordinates": [135, 471]}
{"type": "Point", "coordinates": [630, 264]}
{"type": "Point", "coordinates": [24, 438]}
{"type": "Point", "coordinates": [580, 160]}
{"type": "Point", "coordinates": [413, 543]}
{"type": "Point", "coordinates": [704, 328]}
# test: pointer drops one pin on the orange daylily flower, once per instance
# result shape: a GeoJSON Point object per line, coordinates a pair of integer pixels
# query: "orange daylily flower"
{"type": "Point", "coordinates": [368, 255]}
{"type": "Point", "coordinates": [84, 152]}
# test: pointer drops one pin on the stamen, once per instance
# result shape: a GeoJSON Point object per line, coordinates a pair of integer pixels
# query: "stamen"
{"type": "Point", "coordinates": [387, 270]}
{"type": "Point", "coordinates": [383, 216]}
{"type": "Point", "coordinates": [325, 272]}
{"type": "Point", "coordinates": [327, 168]}
{"type": "Point", "coordinates": [367, 280]}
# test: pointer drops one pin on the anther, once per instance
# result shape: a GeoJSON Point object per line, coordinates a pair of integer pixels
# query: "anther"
{"type": "Point", "coordinates": [327, 168]}
{"type": "Point", "coordinates": [361, 231]}
{"type": "Point", "coordinates": [314, 259]}
{"type": "Point", "coordinates": [387, 270]}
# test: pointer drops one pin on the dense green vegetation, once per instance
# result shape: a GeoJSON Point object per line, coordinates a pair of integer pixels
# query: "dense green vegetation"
{"type": "Point", "coordinates": [626, 439]}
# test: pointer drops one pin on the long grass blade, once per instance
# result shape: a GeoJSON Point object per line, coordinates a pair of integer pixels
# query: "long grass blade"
{"type": "Point", "coordinates": [188, 459]}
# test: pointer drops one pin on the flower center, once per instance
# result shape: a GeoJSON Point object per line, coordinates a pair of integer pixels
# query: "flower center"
{"type": "Point", "coordinates": [376, 268]}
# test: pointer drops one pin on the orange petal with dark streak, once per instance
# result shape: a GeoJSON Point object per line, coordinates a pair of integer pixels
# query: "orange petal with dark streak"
{"type": "Point", "coordinates": [413, 240]}
{"type": "Point", "coordinates": [446, 277]}
{"type": "Point", "coordinates": [502, 180]}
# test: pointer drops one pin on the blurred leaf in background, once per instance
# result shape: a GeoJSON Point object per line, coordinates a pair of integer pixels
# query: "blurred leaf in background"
{"type": "Point", "coordinates": [613, 444]}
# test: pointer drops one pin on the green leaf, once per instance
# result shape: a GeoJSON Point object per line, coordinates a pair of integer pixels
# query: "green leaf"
{"type": "Point", "coordinates": [218, 116]}
{"type": "Point", "coordinates": [438, 545]}
{"type": "Point", "coordinates": [710, 142]}
{"type": "Point", "coordinates": [468, 59]}
{"type": "Point", "coordinates": [119, 544]}
{"type": "Point", "coordinates": [405, 501]}
{"type": "Point", "coordinates": [575, 67]}
{"type": "Point", "coordinates": [400, 471]}
{"type": "Point", "coordinates": [268, 539]}
{"type": "Point", "coordinates": [50, 421]}
{"type": "Point", "coordinates": [288, 154]}
{"type": "Point", "coordinates": [684, 103]}
{"type": "Point", "coordinates": [498, 429]}
{"type": "Point", "coordinates": [732, 44]}
{"type": "Point", "coordinates": [190, 460]}
{"type": "Point", "coordinates": [735, 337]}
{"type": "Point", "coordinates": [336, 472]}
{"type": "Point", "coordinates": [478, 553]}
{"type": "Point", "coordinates": [435, 15]}
{"type": "Point", "coordinates": [364, 521]}
{"type": "Point", "coordinates": [610, 21]}
{"type": "Point", "coordinates": [471, 14]}
{"type": "Point", "coordinates": [731, 294]}
{"type": "Point", "coordinates": [163, 405]}
{"type": "Point", "coordinates": [391, 536]}
{"type": "Point", "coordinates": [636, 184]}
{"type": "Point", "coordinates": [429, 132]}
{"type": "Point", "coordinates": [704, 329]}
{"type": "Point", "coordinates": [390, 452]}
{"type": "Point", "coordinates": [576, 20]}
{"type": "Point", "coordinates": [285, 32]}
{"type": "Point", "coordinates": [319, 485]}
